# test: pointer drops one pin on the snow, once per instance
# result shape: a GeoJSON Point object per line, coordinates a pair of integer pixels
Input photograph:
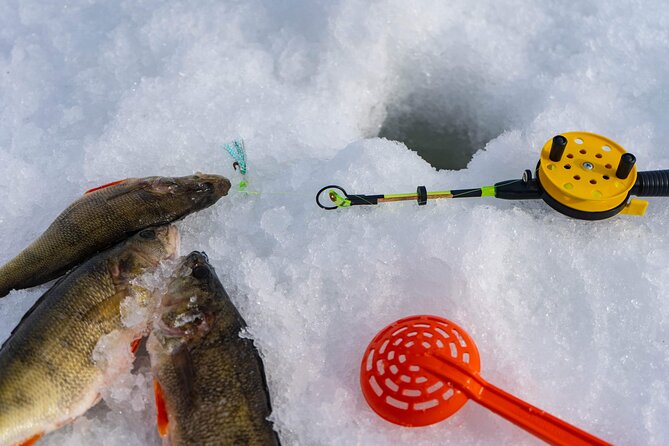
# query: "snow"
{"type": "Point", "coordinates": [571, 316]}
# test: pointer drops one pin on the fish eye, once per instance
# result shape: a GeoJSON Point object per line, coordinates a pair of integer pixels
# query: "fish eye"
{"type": "Point", "coordinates": [148, 234]}
{"type": "Point", "coordinates": [206, 186]}
{"type": "Point", "coordinates": [200, 272]}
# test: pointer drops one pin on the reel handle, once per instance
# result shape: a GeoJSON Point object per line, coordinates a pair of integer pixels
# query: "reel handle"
{"type": "Point", "coordinates": [652, 183]}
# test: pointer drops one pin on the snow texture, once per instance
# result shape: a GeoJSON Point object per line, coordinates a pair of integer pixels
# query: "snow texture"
{"type": "Point", "coordinates": [571, 316]}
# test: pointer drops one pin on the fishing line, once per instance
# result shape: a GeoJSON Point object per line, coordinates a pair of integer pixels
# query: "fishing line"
{"type": "Point", "coordinates": [579, 174]}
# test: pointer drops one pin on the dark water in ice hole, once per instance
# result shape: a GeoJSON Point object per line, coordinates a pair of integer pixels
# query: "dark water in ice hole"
{"type": "Point", "coordinates": [442, 146]}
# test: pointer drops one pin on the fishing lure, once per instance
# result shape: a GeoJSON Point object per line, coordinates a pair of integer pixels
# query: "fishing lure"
{"type": "Point", "coordinates": [238, 153]}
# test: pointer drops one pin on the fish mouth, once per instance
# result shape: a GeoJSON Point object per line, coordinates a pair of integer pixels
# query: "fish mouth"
{"type": "Point", "coordinates": [170, 332]}
{"type": "Point", "coordinates": [223, 186]}
{"type": "Point", "coordinates": [216, 185]}
{"type": "Point", "coordinates": [190, 324]}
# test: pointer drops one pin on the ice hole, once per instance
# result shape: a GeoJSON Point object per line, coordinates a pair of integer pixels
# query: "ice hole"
{"type": "Point", "coordinates": [383, 346]}
{"type": "Point", "coordinates": [445, 131]}
{"type": "Point", "coordinates": [393, 369]}
{"type": "Point", "coordinates": [421, 380]}
{"type": "Point", "coordinates": [454, 350]}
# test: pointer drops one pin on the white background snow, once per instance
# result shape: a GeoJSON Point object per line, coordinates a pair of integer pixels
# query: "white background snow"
{"type": "Point", "coordinates": [572, 316]}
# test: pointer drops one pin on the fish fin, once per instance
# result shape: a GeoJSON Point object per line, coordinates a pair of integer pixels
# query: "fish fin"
{"type": "Point", "coordinates": [32, 440]}
{"type": "Point", "coordinates": [113, 183]}
{"type": "Point", "coordinates": [135, 345]}
{"type": "Point", "coordinates": [183, 366]}
{"type": "Point", "coordinates": [162, 418]}
{"type": "Point", "coordinates": [97, 314]}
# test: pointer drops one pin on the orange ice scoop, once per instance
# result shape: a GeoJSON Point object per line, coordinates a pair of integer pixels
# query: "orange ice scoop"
{"type": "Point", "coordinates": [421, 369]}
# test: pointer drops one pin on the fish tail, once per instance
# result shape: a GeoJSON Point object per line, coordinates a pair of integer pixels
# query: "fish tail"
{"type": "Point", "coordinates": [23, 271]}
{"type": "Point", "coordinates": [5, 285]}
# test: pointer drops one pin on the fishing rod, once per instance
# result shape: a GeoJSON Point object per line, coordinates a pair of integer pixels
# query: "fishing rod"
{"type": "Point", "coordinates": [579, 174]}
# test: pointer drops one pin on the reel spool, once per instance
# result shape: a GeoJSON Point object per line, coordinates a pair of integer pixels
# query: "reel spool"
{"type": "Point", "coordinates": [588, 176]}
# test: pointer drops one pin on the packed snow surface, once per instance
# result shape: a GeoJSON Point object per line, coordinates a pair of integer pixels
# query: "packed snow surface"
{"type": "Point", "coordinates": [569, 315]}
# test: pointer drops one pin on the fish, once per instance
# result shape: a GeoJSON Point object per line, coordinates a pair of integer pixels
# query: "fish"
{"type": "Point", "coordinates": [209, 382]}
{"type": "Point", "coordinates": [49, 374]}
{"type": "Point", "coordinates": [105, 216]}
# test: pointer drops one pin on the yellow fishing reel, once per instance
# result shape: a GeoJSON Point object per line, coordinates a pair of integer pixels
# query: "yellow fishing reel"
{"type": "Point", "coordinates": [588, 176]}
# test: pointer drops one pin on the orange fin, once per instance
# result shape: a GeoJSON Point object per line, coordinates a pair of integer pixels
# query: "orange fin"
{"type": "Point", "coordinates": [32, 440]}
{"type": "Point", "coordinates": [113, 183]}
{"type": "Point", "coordinates": [135, 345]}
{"type": "Point", "coordinates": [161, 410]}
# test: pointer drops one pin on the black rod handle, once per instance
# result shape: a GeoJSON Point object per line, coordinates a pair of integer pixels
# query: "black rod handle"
{"type": "Point", "coordinates": [525, 189]}
{"type": "Point", "coordinates": [652, 183]}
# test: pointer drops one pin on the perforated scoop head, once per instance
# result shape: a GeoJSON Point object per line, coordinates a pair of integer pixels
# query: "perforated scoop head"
{"type": "Point", "coordinates": [401, 391]}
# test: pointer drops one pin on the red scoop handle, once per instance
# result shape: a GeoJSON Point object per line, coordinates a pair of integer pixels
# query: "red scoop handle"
{"type": "Point", "coordinates": [534, 420]}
